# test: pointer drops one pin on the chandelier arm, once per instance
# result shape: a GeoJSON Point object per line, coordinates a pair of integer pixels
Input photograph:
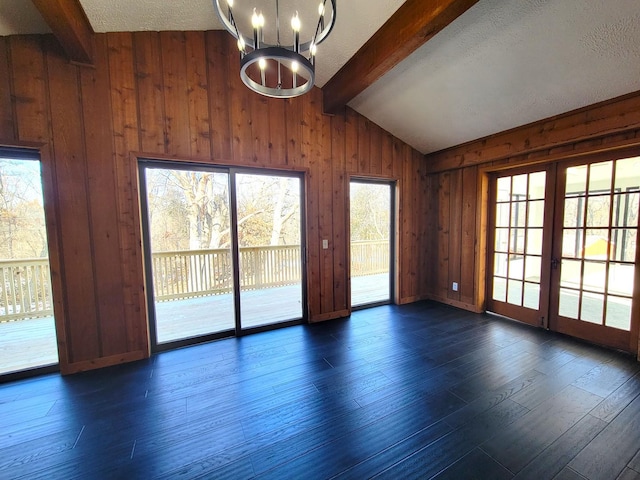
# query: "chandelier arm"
{"type": "Point", "coordinates": [277, 22]}
{"type": "Point", "coordinates": [327, 29]}
{"type": "Point", "coordinates": [232, 21]}
{"type": "Point", "coordinates": [228, 26]}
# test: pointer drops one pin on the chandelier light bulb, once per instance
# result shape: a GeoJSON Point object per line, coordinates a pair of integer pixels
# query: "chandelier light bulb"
{"type": "Point", "coordinates": [257, 21]}
{"type": "Point", "coordinates": [230, 3]}
{"type": "Point", "coordinates": [262, 63]}
{"type": "Point", "coordinates": [320, 9]}
{"type": "Point", "coordinates": [241, 44]}
{"type": "Point", "coordinates": [295, 66]}
{"type": "Point", "coordinates": [254, 19]}
{"type": "Point", "coordinates": [295, 23]}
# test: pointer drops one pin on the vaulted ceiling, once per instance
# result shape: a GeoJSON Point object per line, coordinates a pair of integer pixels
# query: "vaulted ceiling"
{"type": "Point", "coordinates": [498, 65]}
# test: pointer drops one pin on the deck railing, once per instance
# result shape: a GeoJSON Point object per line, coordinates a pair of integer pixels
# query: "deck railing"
{"type": "Point", "coordinates": [369, 258]}
{"type": "Point", "coordinates": [195, 273]}
{"type": "Point", "coordinates": [25, 291]}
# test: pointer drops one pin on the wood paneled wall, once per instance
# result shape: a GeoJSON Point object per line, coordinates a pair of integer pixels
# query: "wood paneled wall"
{"type": "Point", "coordinates": [177, 95]}
{"type": "Point", "coordinates": [452, 216]}
{"type": "Point", "coordinates": [458, 186]}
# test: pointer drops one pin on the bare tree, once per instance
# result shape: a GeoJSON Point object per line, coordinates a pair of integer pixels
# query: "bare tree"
{"type": "Point", "coordinates": [282, 211]}
{"type": "Point", "coordinates": [22, 225]}
{"type": "Point", "coordinates": [190, 209]}
{"type": "Point", "coordinates": [369, 212]}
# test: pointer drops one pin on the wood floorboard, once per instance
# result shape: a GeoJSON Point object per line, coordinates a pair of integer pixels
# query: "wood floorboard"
{"type": "Point", "coordinates": [352, 445]}
{"type": "Point", "coordinates": [492, 398]}
{"type": "Point", "coordinates": [618, 400]}
{"type": "Point", "coordinates": [604, 379]}
{"type": "Point", "coordinates": [553, 383]}
{"type": "Point", "coordinates": [635, 462]}
{"type": "Point", "coordinates": [416, 391]}
{"type": "Point", "coordinates": [387, 457]}
{"type": "Point", "coordinates": [555, 457]}
{"type": "Point", "coordinates": [472, 388]}
{"type": "Point", "coordinates": [610, 452]}
{"type": "Point", "coordinates": [519, 443]}
{"type": "Point", "coordinates": [476, 465]}
{"type": "Point", "coordinates": [568, 474]}
{"type": "Point", "coordinates": [76, 462]}
{"type": "Point", "coordinates": [437, 456]}
{"type": "Point", "coordinates": [629, 474]}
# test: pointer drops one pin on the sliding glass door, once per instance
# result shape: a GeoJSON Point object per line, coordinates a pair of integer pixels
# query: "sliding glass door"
{"type": "Point", "coordinates": [270, 248]}
{"type": "Point", "coordinates": [371, 219]}
{"type": "Point", "coordinates": [27, 328]}
{"type": "Point", "coordinates": [223, 250]}
{"type": "Point", "coordinates": [189, 237]}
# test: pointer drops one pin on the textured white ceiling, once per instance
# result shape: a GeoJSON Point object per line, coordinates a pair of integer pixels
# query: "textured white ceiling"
{"type": "Point", "coordinates": [502, 64]}
{"type": "Point", "coordinates": [506, 63]}
{"type": "Point", "coordinates": [154, 15]}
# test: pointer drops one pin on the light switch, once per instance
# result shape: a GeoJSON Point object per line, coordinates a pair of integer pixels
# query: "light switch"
{"type": "Point", "coordinates": [325, 244]}
{"type": "Point", "coordinates": [454, 287]}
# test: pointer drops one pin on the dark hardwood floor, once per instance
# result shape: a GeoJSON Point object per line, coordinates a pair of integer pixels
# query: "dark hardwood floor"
{"type": "Point", "coordinates": [417, 391]}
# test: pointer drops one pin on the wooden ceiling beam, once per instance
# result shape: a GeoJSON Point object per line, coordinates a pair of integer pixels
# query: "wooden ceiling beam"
{"type": "Point", "coordinates": [413, 24]}
{"type": "Point", "coordinates": [70, 25]}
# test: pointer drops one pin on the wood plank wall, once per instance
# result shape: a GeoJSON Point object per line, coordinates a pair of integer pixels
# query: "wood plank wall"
{"type": "Point", "coordinates": [178, 95]}
{"type": "Point", "coordinates": [458, 186]}
{"type": "Point", "coordinates": [452, 222]}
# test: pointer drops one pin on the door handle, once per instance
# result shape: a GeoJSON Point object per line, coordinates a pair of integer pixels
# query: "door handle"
{"type": "Point", "coordinates": [554, 263]}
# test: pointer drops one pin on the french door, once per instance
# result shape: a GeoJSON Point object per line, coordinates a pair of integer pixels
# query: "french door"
{"type": "Point", "coordinates": [564, 248]}
{"type": "Point", "coordinates": [223, 251]}
{"type": "Point", "coordinates": [595, 253]}
{"type": "Point", "coordinates": [520, 254]}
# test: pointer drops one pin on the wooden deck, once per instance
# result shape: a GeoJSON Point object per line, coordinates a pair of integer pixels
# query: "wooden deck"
{"type": "Point", "coordinates": [27, 344]}
{"type": "Point", "coordinates": [370, 289]}
{"type": "Point", "coordinates": [31, 343]}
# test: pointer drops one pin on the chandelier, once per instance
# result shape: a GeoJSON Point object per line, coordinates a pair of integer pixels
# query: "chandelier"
{"type": "Point", "coordinates": [269, 64]}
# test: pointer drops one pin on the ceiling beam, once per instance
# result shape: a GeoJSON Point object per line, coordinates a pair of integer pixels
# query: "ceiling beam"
{"type": "Point", "coordinates": [70, 25]}
{"type": "Point", "coordinates": [413, 24]}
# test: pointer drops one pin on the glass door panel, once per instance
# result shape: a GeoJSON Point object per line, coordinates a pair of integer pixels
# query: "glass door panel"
{"type": "Point", "coordinates": [597, 251]}
{"type": "Point", "coordinates": [189, 235]}
{"type": "Point", "coordinates": [27, 328]}
{"type": "Point", "coordinates": [518, 225]}
{"type": "Point", "coordinates": [370, 217]}
{"type": "Point", "coordinates": [269, 240]}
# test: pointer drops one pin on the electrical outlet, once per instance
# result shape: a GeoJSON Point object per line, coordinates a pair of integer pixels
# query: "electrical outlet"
{"type": "Point", "coordinates": [454, 287]}
{"type": "Point", "coordinates": [325, 244]}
